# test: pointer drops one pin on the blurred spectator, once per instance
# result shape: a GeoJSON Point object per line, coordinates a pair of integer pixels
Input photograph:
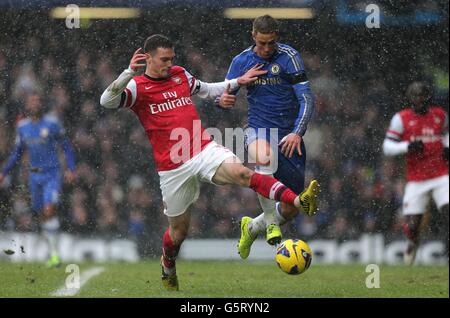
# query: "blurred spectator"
{"type": "Point", "coordinates": [79, 213]}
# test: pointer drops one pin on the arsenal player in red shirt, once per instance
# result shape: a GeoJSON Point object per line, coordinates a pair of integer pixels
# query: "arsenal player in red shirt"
{"type": "Point", "coordinates": [420, 132]}
{"type": "Point", "coordinates": [161, 99]}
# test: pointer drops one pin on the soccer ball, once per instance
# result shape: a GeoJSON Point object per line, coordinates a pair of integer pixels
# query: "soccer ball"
{"type": "Point", "coordinates": [293, 256]}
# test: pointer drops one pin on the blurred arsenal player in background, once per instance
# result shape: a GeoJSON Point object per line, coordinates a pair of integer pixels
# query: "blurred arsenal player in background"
{"type": "Point", "coordinates": [421, 132]}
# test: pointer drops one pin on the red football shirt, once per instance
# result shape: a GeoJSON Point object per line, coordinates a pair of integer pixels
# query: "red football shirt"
{"type": "Point", "coordinates": [166, 111]}
{"type": "Point", "coordinates": [429, 128]}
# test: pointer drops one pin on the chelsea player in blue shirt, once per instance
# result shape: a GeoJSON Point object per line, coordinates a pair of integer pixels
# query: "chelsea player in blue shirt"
{"type": "Point", "coordinates": [41, 135]}
{"type": "Point", "coordinates": [283, 100]}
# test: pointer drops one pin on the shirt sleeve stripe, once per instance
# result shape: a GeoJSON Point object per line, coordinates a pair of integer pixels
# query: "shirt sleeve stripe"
{"type": "Point", "coordinates": [393, 132]}
{"type": "Point", "coordinates": [292, 55]}
{"type": "Point", "coordinates": [194, 84]}
{"type": "Point", "coordinates": [127, 101]}
{"type": "Point", "coordinates": [123, 98]}
{"type": "Point", "coordinates": [304, 118]}
{"type": "Point", "coordinates": [392, 138]}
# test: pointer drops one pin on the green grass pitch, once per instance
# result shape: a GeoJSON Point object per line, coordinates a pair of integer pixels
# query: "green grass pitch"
{"type": "Point", "coordinates": [227, 279]}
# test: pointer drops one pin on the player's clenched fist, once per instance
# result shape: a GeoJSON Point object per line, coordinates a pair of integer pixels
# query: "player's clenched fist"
{"type": "Point", "coordinates": [227, 100]}
{"type": "Point", "coordinates": [416, 147]}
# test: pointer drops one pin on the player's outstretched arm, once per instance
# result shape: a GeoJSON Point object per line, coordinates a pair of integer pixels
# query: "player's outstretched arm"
{"type": "Point", "coordinates": [228, 98]}
{"type": "Point", "coordinates": [212, 90]}
{"type": "Point", "coordinates": [112, 96]}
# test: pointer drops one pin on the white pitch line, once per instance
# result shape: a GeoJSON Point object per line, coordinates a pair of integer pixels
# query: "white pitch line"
{"type": "Point", "coordinates": [84, 278]}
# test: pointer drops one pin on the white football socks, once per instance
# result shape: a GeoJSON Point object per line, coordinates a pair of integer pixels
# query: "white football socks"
{"type": "Point", "coordinates": [50, 229]}
{"type": "Point", "coordinates": [279, 217]}
{"type": "Point", "coordinates": [269, 209]}
{"type": "Point", "coordinates": [258, 225]}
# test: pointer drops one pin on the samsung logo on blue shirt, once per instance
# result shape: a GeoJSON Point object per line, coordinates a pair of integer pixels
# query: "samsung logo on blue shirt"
{"type": "Point", "coordinates": [267, 81]}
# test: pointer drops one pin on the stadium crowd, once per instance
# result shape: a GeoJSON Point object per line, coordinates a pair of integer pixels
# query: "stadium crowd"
{"type": "Point", "coordinates": [116, 192]}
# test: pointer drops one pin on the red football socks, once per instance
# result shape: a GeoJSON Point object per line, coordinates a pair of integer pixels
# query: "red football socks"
{"type": "Point", "coordinates": [170, 250]}
{"type": "Point", "coordinates": [271, 188]}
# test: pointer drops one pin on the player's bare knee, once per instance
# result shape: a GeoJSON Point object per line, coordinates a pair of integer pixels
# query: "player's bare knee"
{"type": "Point", "coordinates": [244, 175]}
{"type": "Point", "coordinates": [263, 162]}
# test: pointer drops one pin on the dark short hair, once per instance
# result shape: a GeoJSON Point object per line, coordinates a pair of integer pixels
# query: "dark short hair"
{"type": "Point", "coordinates": [416, 89]}
{"type": "Point", "coordinates": [266, 24]}
{"type": "Point", "coordinates": [157, 41]}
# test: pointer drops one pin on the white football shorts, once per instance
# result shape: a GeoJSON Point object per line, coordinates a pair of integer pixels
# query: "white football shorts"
{"type": "Point", "coordinates": [181, 187]}
{"type": "Point", "coordinates": [418, 194]}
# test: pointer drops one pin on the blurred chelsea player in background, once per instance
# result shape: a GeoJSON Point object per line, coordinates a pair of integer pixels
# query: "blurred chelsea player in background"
{"type": "Point", "coordinates": [41, 135]}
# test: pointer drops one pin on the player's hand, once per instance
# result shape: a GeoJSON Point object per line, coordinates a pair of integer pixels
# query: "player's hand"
{"type": "Point", "coordinates": [251, 75]}
{"type": "Point", "coordinates": [137, 57]}
{"type": "Point", "coordinates": [69, 176]}
{"type": "Point", "coordinates": [2, 177]}
{"type": "Point", "coordinates": [227, 100]}
{"type": "Point", "coordinates": [416, 147]}
{"type": "Point", "coordinates": [290, 143]}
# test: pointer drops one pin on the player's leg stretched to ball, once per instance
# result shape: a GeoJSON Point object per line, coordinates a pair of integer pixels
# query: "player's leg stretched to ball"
{"type": "Point", "coordinates": [219, 166]}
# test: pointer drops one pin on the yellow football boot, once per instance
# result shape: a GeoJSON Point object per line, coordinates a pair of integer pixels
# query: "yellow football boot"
{"type": "Point", "coordinates": [273, 234]}
{"type": "Point", "coordinates": [308, 198]}
{"type": "Point", "coordinates": [246, 241]}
